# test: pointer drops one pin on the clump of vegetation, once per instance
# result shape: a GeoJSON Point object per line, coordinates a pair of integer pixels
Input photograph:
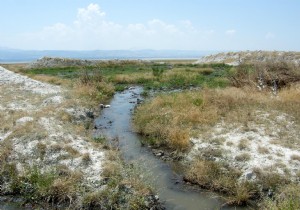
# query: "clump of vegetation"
{"type": "Point", "coordinates": [295, 157]}
{"type": "Point", "coordinates": [36, 186]}
{"type": "Point", "coordinates": [288, 198]}
{"type": "Point", "coordinates": [171, 117]}
{"type": "Point", "coordinates": [124, 188]}
{"type": "Point", "coordinates": [269, 74]}
{"type": "Point", "coordinates": [243, 157]}
{"type": "Point", "coordinates": [263, 150]}
{"type": "Point", "coordinates": [86, 158]}
{"type": "Point", "coordinates": [157, 71]}
{"type": "Point", "coordinates": [93, 86]}
{"type": "Point", "coordinates": [243, 144]}
{"type": "Point", "coordinates": [219, 177]}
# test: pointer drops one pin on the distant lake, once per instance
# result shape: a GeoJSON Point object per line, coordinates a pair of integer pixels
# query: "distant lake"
{"type": "Point", "coordinates": [20, 56]}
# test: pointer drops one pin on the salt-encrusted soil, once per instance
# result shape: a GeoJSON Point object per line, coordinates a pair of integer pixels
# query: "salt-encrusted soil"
{"type": "Point", "coordinates": [37, 123]}
{"type": "Point", "coordinates": [268, 142]}
{"type": "Point", "coordinates": [24, 83]}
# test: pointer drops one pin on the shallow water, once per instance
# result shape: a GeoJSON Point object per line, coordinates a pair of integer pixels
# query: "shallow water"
{"type": "Point", "coordinates": [175, 194]}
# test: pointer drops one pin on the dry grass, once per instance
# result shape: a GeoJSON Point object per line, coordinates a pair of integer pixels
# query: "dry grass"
{"type": "Point", "coordinates": [289, 101]}
{"type": "Point", "coordinates": [243, 144]}
{"type": "Point", "coordinates": [29, 131]}
{"type": "Point", "coordinates": [268, 179]}
{"type": "Point", "coordinates": [125, 188]}
{"type": "Point", "coordinates": [86, 158]}
{"type": "Point", "coordinates": [243, 157]}
{"type": "Point", "coordinates": [190, 110]}
{"type": "Point", "coordinates": [266, 74]}
{"type": "Point", "coordinates": [176, 61]}
{"type": "Point", "coordinates": [218, 177]}
{"type": "Point", "coordinates": [52, 80]}
{"type": "Point", "coordinates": [263, 150]}
{"type": "Point", "coordinates": [288, 199]}
{"type": "Point", "coordinates": [41, 150]}
{"type": "Point", "coordinates": [71, 151]}
{"type": "Point", "coordinates": [211, 153]}
{"type": "Point", "coordinates": [295, 157]}
{"type": "Point", "coordinates": [132, 78]}
{"type": "Point", "coordinates": [15, 67]}
{"type": "Point", "coordinates": [91, 94]}
{"type": "Point", "coordinates": [218, 141]}
{"type": "Point", "coordinates": [181, 111]}
{"type": "Point", "coordinates": [212, 175]}
{"type": "Point", "coordinates": [112, 166]}
{"type": "Point", "coordinates": [229, 143]}
{"type": "Point", "coordinates": [5, 151]}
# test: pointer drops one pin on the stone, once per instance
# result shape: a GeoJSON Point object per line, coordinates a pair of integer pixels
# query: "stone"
{"type": "Point", "coordinates": [102, 106]}
{"type": "Point", "coordinates": [139, 101]}
{"type": "Point", "coordinates": [24, 120]}
{"type": "Point", "coordinates": [249, 175]}
{"type": "Point", "coordinates": [90, 114]}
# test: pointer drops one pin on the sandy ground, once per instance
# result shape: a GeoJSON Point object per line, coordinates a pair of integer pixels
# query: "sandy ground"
{"type": "Point", "coordinates": [36, 121]}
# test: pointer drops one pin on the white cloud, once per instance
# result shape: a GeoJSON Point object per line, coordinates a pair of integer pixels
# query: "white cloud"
{"type": "Point", "coordinates": [160, 26]}
{"type": "Point", "coordinates": [91, 30]}
{"type": "Point", "coordinates": [230, 32]}
{"type": "Point", "coordinates": [91, 12]}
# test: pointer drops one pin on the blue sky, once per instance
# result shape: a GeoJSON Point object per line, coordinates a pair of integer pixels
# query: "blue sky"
{"type": "Point", "coordinates": [150, 24]}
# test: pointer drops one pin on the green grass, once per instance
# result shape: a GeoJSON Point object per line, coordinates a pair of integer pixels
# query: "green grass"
{"type": "Point", "coordinates": [65, 72]}
{"type": "Point", "coordinates": [35, 186]}
{"type": "Point", "coordinates": [150, 75]}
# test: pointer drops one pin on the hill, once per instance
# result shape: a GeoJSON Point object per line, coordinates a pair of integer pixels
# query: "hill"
{"type": "Point", "coordinates": [235, 58]}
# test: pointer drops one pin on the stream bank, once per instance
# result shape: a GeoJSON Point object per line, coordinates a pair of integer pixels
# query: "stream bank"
{"type": "Point", "coordinates": [114, 124]}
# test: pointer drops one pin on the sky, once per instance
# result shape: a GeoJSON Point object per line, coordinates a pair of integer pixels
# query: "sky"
{"type": "Point", "coordinates": [221, 25]}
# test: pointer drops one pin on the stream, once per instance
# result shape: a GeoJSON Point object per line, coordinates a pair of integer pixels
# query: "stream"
{"type": "Point", "coordinates": [115, 123]}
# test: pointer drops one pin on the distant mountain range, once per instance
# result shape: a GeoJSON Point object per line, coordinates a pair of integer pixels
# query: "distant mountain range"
{"type": "Point", "coordinates": [11, 55]}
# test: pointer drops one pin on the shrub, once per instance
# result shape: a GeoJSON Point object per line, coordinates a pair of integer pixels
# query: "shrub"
{"type": "Point", "coordinates": [157, 71]}
{"type": "Point", "coordinates": [271, 74]}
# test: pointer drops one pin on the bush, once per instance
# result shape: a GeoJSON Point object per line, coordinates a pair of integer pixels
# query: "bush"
{"type": "Point", "coordinates": [157, 71]}
{"type": "Point", "coordinates": [265, 74]}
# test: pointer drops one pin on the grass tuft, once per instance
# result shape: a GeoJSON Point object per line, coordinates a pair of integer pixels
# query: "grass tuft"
{"type": "Point", "coordinates": [295, 157]}
{"type": "Point", "coordinates": [243, 157]}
